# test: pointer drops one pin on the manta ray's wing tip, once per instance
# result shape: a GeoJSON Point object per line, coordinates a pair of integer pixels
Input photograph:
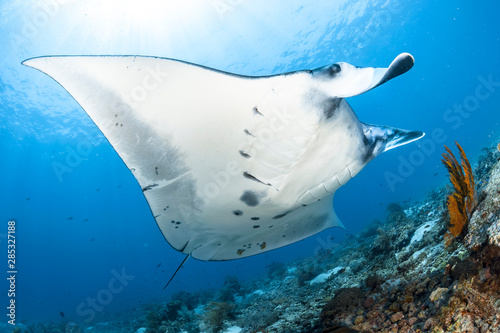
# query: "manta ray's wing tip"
{"type": "Point", "coordinates": [31, 62]}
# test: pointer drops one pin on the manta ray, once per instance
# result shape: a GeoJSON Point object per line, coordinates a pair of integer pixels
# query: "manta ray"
{"type": "Point", "coordinates": [231, 165]}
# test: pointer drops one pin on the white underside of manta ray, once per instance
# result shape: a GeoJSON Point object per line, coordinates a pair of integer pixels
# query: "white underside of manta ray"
{"type": "Point", "coordinates": [231, 165]}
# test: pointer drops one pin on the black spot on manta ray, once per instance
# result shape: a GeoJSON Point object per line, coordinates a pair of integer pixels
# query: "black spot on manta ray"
{"type": "Point", "coordinates": [256, 226]}
{"type": "Point", "coordinates": [250, 198]}
{"type": "Point", "coordinates": [144, 189]}
{"type": "Point", "coordinates": [255, 218]}
{"type": "Point", "coordinates": [237, 212]}
{"type": "Point", "coordinates": [330, 105]}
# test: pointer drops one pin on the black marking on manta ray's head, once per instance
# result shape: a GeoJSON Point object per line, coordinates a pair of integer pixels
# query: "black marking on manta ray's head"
{"type": "Point", "coordinates": [144, 189]}
{"type": "Point", "coordinates": [245, 155]}
{"type": "Point", "coordinates": [237, 212]}
{"type": "Point", "coordinates": [255, 218]}
{"type": "Point", "coordinates": [256, 111]}
{"type": "Point", "coordinates": [250, 198]}
{"type": "Point", "coordinates": [256, 226]}
{"type": "Point", "coordinates": [156, 170]}
{"type": "Point", "coordinates": [249, 176]}
{"type": "Point", "coordinates": [329, 106]}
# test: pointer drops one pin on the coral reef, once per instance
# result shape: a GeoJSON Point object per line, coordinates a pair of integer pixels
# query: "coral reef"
{"type": "Point", "coordinates": [216, 313]}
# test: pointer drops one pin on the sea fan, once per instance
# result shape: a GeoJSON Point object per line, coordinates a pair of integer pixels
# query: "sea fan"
{"type": "Point", "coordinates": [463, 200]}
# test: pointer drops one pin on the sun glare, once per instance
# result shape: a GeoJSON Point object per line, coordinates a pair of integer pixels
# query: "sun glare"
{"type": "Point", "coordinates": [151, 18]}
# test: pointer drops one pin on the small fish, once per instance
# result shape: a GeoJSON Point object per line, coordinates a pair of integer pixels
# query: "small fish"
{"type": "Point", "coordinates": [61, 313]}
{"type": "Point", "coordinates": [435, 174]}
{"type": "Point", "coordinates": [85, 220]}
{"type": "Point", "coordinates": [69, 218]}
{"type": "Point", "coordinates": [28, 198]}
{"type": "Point", "coordinates": [92, 239]}
{"type": "Point", "coordinates": [157, 266]}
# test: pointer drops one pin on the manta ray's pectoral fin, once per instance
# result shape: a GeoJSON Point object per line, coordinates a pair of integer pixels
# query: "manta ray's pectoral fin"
{"type": "Point", "coordinates": [379, 139]}
{"type": "Point", "coordinates": [345, 80]}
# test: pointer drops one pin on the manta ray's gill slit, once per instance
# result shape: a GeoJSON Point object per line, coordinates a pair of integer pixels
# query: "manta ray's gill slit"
{"type": "Point", "coordinates": [256, 226]}
{"type": "Point", "coordinates": [280, 216]}
{"type": "Point", "coordinates": [255, 218]}
{"type": "Point", "coordinates": [245, 155]}
{"type": "Point", "coordinates": [256, 111]}
{"type": "Point", "coordinates": [247, 132]}
{"type": "Point", "coordinates": [252, 177]}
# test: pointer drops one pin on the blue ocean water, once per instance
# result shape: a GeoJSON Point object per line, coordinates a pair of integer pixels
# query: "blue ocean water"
{"type": "Point", "coordinates": [81, 218]}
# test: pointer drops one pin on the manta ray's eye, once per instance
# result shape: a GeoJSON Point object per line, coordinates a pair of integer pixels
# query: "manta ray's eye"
{"type": "Point", "coordinates": [334, 69]}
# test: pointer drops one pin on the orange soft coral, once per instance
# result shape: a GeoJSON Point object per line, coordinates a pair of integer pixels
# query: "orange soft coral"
{"type": "Point", "coordinates": [463, 200]}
